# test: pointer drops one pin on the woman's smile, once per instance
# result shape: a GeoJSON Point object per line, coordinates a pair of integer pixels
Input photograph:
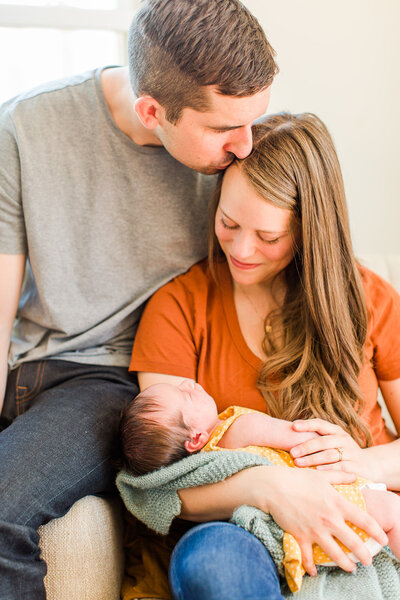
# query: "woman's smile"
{"type": "Point", "coordinates": [241, 265]}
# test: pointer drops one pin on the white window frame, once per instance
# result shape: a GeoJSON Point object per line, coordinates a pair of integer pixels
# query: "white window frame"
{"type": "Point", "coordinates": [66, 17]}
{"type": "Point", "coordinates": [70, 18]}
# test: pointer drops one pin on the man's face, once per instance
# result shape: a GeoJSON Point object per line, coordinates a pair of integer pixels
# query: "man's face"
{"type": "Point", "coordinates": [209, 141]}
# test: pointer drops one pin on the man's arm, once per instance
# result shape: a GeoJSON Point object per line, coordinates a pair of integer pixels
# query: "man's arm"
{"type": "Point", "coordinates": [12, 268]}
{"type": "Point", "coordinates": [257, 429]}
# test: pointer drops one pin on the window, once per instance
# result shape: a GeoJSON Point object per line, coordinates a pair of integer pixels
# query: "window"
{"type": "Point", "coordinates": [42, 40]}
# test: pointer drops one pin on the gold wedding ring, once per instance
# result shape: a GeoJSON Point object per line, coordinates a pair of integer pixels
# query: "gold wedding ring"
{"type": "Point", "coordinates": [340, 450]}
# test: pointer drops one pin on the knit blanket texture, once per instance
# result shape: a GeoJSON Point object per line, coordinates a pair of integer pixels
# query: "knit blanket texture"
{"type": "Point", "coordinates": [153, 499]}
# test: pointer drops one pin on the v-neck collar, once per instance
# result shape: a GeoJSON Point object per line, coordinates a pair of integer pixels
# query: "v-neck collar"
{"type": "Point", "coordinates": [225, 289]}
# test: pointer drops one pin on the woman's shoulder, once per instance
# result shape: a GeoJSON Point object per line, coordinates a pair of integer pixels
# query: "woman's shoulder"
{"type": "Point", "coordinates": [376, 288]}
{"type": "Point", "coordinates": [383, 306]}
{"type": "Point", "coordinates": [186, 290]}
{"type": "Point", "coordinates": [383, 337]}
{"type": "Point", "coordinates": [197, 276]}
{"type": "Point", "coordinates": [194, 281]}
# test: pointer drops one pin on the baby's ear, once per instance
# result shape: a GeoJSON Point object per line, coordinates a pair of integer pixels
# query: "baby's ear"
{"type": "Point", "coordinates": [197, 440]}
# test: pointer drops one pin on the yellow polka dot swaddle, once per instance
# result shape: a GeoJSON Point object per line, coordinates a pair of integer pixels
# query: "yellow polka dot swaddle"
{"type": "Point", "coordinates": [292, 561]}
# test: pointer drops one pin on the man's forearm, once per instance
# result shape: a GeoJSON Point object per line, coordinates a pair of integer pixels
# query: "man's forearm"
{"type": "Point", "coordinates": [12, 267]}
{"type": "Point", "coordinates": [3, 372]}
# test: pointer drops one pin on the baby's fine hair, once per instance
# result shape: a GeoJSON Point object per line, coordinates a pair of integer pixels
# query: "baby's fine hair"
{"type": "Point", "coordinates": [146, 443]}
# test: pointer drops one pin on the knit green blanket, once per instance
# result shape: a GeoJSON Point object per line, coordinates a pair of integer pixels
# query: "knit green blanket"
{"type": "Point", "coordinates": [153, 498]}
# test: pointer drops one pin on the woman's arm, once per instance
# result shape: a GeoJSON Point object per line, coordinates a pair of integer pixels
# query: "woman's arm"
{"type": "Point", "coordinates": [391, 395]}
{"type": "Point", "coordinates": [147, 379]}
{"type": "Point", "coordinates": [302, 502]}
{"type": "Point", "coordinates": [257, 429]}
{"type": "Point", "coordinates": [380, 463]}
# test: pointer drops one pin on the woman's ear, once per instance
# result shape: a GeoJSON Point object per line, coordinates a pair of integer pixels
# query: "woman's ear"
{"type": "Point", "coordinates": [198, 439]}
{"type": "Point", "coordinates": [148, 111]}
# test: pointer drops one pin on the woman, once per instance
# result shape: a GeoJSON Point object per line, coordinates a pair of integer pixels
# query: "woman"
{"type": "Point", "coordinates": [284, 320]}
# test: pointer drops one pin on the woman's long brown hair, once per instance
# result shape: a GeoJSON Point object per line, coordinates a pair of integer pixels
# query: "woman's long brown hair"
{"type": "Point", "coordinates": [314, 362]}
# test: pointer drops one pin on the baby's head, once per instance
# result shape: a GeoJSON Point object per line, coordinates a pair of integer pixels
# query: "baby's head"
{"type": "Point", "coordinates": [165, 423]}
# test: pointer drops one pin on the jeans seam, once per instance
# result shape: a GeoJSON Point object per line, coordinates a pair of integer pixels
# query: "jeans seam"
{"type": "Point", "coordinates": [67, 488]}
{"type": "Point", "coordinates": [23, 399]}
{"type": "Point", "coordinates": [180, 592]}
{"type": "Point", "coordinates": [177, 590]}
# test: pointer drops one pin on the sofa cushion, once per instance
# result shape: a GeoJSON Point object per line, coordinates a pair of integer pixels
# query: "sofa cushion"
{"type": "Point", "coordinates": [83, 551]}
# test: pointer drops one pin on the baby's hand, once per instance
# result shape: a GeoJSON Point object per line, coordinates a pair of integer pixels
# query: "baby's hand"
{"type": "Point", "coordinates": [286, 437]}
{"type": "Point", "coordinates": [299, 437]}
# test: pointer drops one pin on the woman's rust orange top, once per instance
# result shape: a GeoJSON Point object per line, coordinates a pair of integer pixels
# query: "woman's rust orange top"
{"type": "Point", "coordinates": [190, 328]}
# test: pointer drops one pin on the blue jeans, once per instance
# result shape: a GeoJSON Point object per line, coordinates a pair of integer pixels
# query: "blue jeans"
{"type": "Point", "coordinates": [59, 448]}
{"type": "Point", "coordinates": [221, 561]}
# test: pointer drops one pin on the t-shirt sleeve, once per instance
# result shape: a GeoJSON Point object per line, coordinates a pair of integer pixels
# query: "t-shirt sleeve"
{"type": "Point", "coordinates": [384, 308]}
{"type": "Point", "coordinates": [12, 226]}
{"type": "Point", "coordinates": [164, 342]}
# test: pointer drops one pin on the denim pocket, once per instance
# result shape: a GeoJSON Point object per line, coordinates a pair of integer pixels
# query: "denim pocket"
{"type": "Point", "coordinates": [28, 383]}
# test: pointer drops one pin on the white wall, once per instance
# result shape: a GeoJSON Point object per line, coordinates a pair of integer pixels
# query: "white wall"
{"type": "Point", "coordinates": [341, 60]}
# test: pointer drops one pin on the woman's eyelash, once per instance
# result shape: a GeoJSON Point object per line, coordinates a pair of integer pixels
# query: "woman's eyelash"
{"type": "Point", "coordinates": [228, 226]}
{"type": "Point", "coordinates": [269, 241]}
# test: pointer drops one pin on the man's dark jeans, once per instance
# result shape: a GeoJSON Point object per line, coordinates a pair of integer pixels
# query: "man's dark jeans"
{"type": "Point", "coordinates": [60, 447]}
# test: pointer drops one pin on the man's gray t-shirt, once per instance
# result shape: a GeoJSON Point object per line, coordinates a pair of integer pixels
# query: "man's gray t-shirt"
{"type": "Point", "coordinates": [103, 221]}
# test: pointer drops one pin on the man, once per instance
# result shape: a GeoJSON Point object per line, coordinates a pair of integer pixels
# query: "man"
{"type": "Point", "coordinates": [102, 201]}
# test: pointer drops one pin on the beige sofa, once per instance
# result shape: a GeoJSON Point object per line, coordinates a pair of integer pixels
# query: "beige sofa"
{"type": "Point", "coordinates": [83, 549]}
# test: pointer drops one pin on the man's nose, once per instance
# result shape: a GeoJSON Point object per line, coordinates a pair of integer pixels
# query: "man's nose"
{"type": "Point", "coordinates": [240, 142]}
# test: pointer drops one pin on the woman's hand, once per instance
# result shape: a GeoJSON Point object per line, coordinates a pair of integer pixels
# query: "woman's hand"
{"type": "Point", "coordinates": [304, 503]}
{"type": "Point", "coordinates": [334, 449]}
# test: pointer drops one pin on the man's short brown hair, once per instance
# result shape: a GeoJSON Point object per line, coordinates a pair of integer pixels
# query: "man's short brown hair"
{"type": "Point", "coordinates": [176, 47]}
